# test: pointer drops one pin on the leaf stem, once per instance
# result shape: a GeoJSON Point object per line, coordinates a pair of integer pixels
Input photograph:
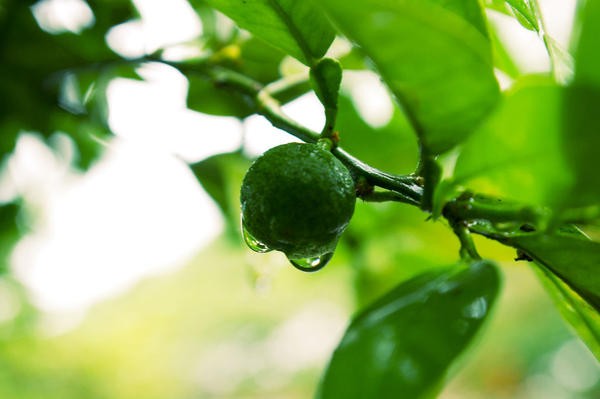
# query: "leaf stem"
{"type": "Point", "coordinates": [266, 105]}
{"type": "Point", "coordinates": [494, 210]}
{"type": "Point", "coordinates": [468, 250]}
{"type": "Point", "coordinates": [386, 196]}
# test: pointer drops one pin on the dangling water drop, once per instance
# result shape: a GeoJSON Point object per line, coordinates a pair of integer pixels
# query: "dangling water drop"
{"type": "Point", "coordinates": [253, 243]}
{"type": "Point", "coordinates": [312, 264]}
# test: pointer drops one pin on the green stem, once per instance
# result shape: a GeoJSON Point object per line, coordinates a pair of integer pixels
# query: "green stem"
{"type": "Point", "coordinates": [405, 188]}
{"type": "Point", "coordinates": [270, 108]}
{"type": "Point", "coordinates": [468, 250]}
{"type": "Point", "coordinates": [473, 208]}
{"type": "Point", "coordinates": [386, 196]}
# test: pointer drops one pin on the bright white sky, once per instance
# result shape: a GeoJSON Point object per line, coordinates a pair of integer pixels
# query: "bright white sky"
{"type": "Point", "coordinates": [140, 211]}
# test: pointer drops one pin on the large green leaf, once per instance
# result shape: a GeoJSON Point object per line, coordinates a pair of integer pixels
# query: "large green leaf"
{"type": "Point", "coordinates": [568, 264]}
{"type": "Point", "coordinates": [435, 57]}
{"type": "Point", "coordinates": [406, 342]}
{"type": "Point", "coordinates": [580, 314]}
{"type": "Point", "coordinates": [207, 97]}
{"type": "Point", "coordinates": [587, 56]}
{"type": "Point", "coordinates": [392, 147]}
{"type": "Point", "coordinates": [295, 27]}
{"type": "Point", "coordinates": [532, 149]}
{"type": "Point", "coordinates": [518, 152]}
{"type": "Point", "coordinates": [575, 260]}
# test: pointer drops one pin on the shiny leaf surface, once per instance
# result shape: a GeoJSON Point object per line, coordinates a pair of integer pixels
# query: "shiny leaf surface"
{"type": "Point", "coordinates": [436, 60]}
{"type": "Point", "coordinates": [405, 343]}
{"type": "Point", "coordinates": [542, 160]}
{"type": "Point", "coordinates": [295, 27]}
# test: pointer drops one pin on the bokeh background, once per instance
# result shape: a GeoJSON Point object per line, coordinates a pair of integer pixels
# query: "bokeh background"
{"type": "Point", "coordinates": [129, 281]}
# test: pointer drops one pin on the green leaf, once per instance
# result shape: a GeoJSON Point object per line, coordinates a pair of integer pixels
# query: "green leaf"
{"type": "Point", "coordinates": [392, 148]}
{"type": "Point", "coordinates": [221, 176]}
{"type": "Point", "coordinates": [497, 5]}
{"type": "Point", "coordinates": [9, 232]}
{"type": "Point", "coordinates": [568, 264]}
{"type": "Point", "coordinates": [37, 63]}
{"type": "Point", "coordinates": [326, 77]}
{"type": "Point", "coordinates": [575, 260]}
{"type": "Point", "coordinates": [260, 60]}
{"type": "Point", "coordinates": [531, 150]}
{"type": "Point", "coordinates": [405, 344]}
{"type": "Point", "coordinates": [503, 60]}
{"type": "Point", "coordinates": [525, 164]}
{"type": "Point", "coordinates": [587, 57]}
{"type": "Point", "coordinates": [436, 59]}
{"type": "Point", "coordinates": [204, 96]}
{"type": "Point", "coordinates": [525, 14]}
{"type": "Point", "coordinates": [295, 27]}
{"type": "Point", "coordinates": [584, 319]}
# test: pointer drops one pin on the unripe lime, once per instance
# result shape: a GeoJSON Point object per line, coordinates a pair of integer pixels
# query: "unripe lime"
{"type": "Point", "coordinates": [298, 199]}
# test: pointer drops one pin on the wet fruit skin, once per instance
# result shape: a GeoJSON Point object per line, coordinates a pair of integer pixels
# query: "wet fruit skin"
{"type": "Point", "coordinates": [297, 198]}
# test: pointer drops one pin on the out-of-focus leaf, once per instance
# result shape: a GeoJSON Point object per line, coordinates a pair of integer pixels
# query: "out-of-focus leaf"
{"type": "Point", "coordinates": [568, 254]}
{"type": "Point", "coordinates": [497, 5]}
{"type": "Point", "coordinates": [9, 232]}
{"type": "Point", "coordinates": [296, 27]}
{"type": "Point", "coordinates": [576, 311]}
{"type": "Point", "coordinates": [520, 9]}
{"type": "Point", "coordinates": [568, 263]}
{"type": "Point", "coordinates": [204, 96]}
{"type": "Point", "coordinates": [436, 60]}
{"type": "Point", "coordinates": [531, 150]}
{"type": "Point", "coordinates": [35, 63]}
{"type": "Point", "coordinates": [525, 14]}
{"type": "Point", "coordinates": [587, 57]}
{"type": "Point", "coordinates": [581, 140]}
{"type": "Point", "coordinates": [221, 176]}
{"type": "Point", "coordinates": [575, 260]}
{"type": "Point", "coordinates": [502, 58]}
{"type": "Point", "coordinates": [353, 60]}
{"type": "Point", "coordinates": [392, 148]}
{"type": "Point", "coordinates": [87, 134]}
{"type": "Point", "coordinates": [406, 342]}
{"type": "Point", "coordinates": [207, 16]}
{"type": "Point", "coordinates": [517, 152]}
{"type": "Point", "coordinates": [260, 60]}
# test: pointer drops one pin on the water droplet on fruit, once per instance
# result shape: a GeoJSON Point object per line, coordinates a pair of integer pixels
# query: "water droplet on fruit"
{"type": "Point", "coordinates": [253, 243]}
{"type": "Point", "coordinates": [311, 264]}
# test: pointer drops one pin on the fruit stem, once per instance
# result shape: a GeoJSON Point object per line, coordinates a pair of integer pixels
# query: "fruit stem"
{"type": "Point", "coordinates": [270, 108]}
{"type": "Point", "coordinates": [385, 196]}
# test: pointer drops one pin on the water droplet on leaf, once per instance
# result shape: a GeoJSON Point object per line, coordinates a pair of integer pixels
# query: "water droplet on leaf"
{"type": "Point", "coordinates": [253, 243]}
{"type": "Point", "coordinates": [311, 264]}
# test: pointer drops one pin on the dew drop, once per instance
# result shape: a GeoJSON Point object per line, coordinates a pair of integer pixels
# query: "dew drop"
{"type": "Point", "coordinates": [311, 264]}
{"type": "Point", "coordinates": [253, 243]}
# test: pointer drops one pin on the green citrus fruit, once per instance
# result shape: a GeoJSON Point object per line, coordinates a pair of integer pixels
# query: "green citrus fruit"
{"type": "Point", "coordinates": [298, 199]}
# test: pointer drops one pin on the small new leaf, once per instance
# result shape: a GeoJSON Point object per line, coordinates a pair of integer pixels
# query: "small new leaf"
{"type": "Point", "coordinates": [296, 27]}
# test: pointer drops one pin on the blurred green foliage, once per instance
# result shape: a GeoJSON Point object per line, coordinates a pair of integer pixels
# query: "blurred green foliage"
{"type": "Point", "coordinates": [232, 324]}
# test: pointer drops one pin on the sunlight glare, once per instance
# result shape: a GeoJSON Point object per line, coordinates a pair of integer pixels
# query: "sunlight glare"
{"type": "Point", "coordinates": [133, 214]}
{"type": "Point", "coordinates": [161, 24]}
{"type": "Point", "coordinates": [58, 16]}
